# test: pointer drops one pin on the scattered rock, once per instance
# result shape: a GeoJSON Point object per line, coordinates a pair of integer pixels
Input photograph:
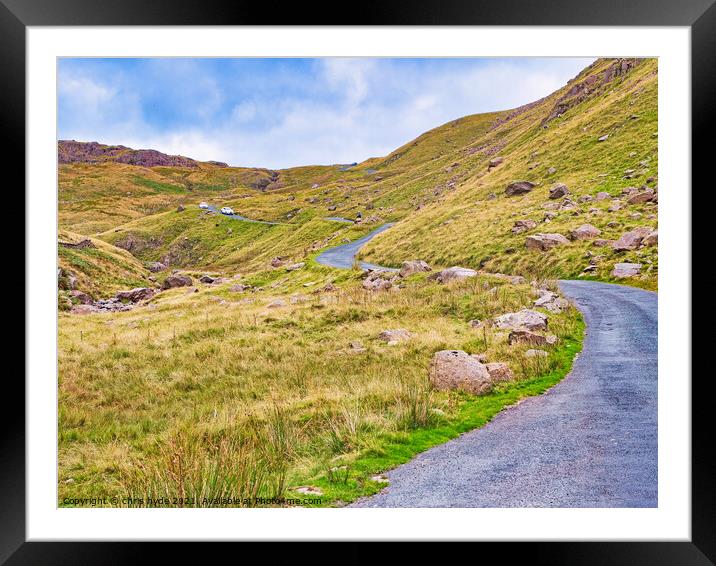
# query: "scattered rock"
{"type": "Point", "coordinates": [207, 279]}
{"type": "Point", "coordinates": [519, 188]}
{"type": "Point", "coordinates": [526, 319]}
{"type": "Point", "coordinates": [600, 243]}
{"type": "Point", "coordinates": [296, 266]}
{"type": "Point", "coordinates": [584, 232]}
{"type": "Point", "coordinates": [552, 302]}
{"type": "Point", "coordinates": [523, 225]}
{"type": "Point", "coordinates": [558, 191]}
{"type": "Point", "coordinates": [526, 337]}
{"type": "Point", "coordinates": [495, 162]}
{"type": "Point", "coordinates": [622, 270]}
{"type": "Point", "coordinates": [651, 239]}
{"type": "Point", "coordinates": [156, 266]}
{"type": "Point", "coordinates": [605, 137]}
{"type": "Point", "coordinates": [602, 195]}
{"type": "Point", "coordinates": [499, 372]}
{"type": "Point", "coordinates": [278, 303]}
{"type": "Point", "coordinates": [544, 242]}
{"type": "Point", "coordinates": [379, 280]}
{"type": "Point", "coordinates": [393, 337]}
{"type": "Point", "coordinates": [413, 266]}
{"type": "Point", "coordinates": [631, 240]}
{"type": "Point", "coordinates": [82, 298]}
{"type": "Point", "coordinates": [642, 197]}
{"type": "Point", "coordinates": [456, 369]}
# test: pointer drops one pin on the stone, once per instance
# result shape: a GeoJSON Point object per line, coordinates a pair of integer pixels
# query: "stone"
{"type": "Point", "coordinates": [651, 239]}
{"type": "Point", "coordinates": [558, 191]}
{"type": "Point", "coordinates": [136, 295]}
{"type": "Point", "coordinates": [83, 309]}
{"type": "Point", "coordinates": [622, 270]}
{"type": "Point", "coordinates": [551, 302]}
{"type": "Point", "coordinates": [526, 319]}
{"type": "Point", "coordinates": [207, 279]}
{"type": "Point", "coordinates": [495, 162]}
{"type": "Point", "coordinates": [536, 354]}
{"type": "Point", "coordinates": [642, 197]}
{"type": "Point", "coordinates": [584, 232]}
{"type": "Point", "coordinates": [474, 323]}
{"type": "Point", "coordinates": [519, 188]}
{"type": "Point", "coordinates": [453, 274]}
{"type": "Point", "coordinates": [600, 243]}
{"type": "Point", "coordinates": [309, 490]}
{"type": "Point", "coordinates": [177, 280]}
{"type": "Point", "coordinates": [551, 171]}
{"type": "Point", "coordinates": [526, 337]}
{"type": "Point", "coordinates": [631, 240]}
{"type": "Point", "coordinates": [278, 303]}
{"type": "Point", "coordinates": [491, 196]}
{"type": "Point", "coordinates": [602, 195]}
{"type": "Point", "coordinates": [295, 266]}
{"type": "Point", "coordinates": [544, 242]}
{"type": "Point", "coordinates": [393, 337]}
{"type": "Point", "coordinates": [456, 369]}
{"type": "Point", "coordinates": [82, 298]}
{"type": "Point", "coordinates": [499, 372]}
{"type": "Point", "coordinates": [414, 266]}
{"type": "Point", "coordinates": [523, 225]}
{"type": "Point", "coordinates": [605, 137]}
{"type": "Point", "coordinates": [156, 266]}
{"type": "Point", "coordinates": [379, 280]}
{"type": "Point", "coordinates": [181, 208]}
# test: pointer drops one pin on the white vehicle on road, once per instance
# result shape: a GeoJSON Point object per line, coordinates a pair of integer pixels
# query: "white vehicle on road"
{"type": "Point", "coordinates": [227, 210]}
{"type": "Point", "coordinates": [203, 205]}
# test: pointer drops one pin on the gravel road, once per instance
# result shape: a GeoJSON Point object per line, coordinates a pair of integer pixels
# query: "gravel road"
{"type": "Point", "coordinates": [590, 441]}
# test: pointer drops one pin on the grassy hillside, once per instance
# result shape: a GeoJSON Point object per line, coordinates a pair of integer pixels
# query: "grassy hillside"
{"type": "Point", "coordinates": [99, 270]}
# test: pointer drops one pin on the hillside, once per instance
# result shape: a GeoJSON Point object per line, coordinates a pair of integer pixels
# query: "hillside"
{"type": "Point", "coordinates": [450, 205]}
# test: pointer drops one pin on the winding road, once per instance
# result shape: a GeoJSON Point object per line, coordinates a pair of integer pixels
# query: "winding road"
{"type": "Point", "coordinates": [343, 256]}
{"type": "Point", "coordinates": [590, 441]}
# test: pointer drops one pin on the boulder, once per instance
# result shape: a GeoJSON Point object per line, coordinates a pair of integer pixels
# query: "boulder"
{"type": "Point", "coordinates": [181, 208]}
{"type": "Point", "coordinates": [622, 270]}
{"type": "Point", "coordinates": [453, 274]}
{"type": "Point", "coordinates": [551, 302]}
{"type": "Point", "coordinates": [544, 242]}
{"type": "Point", "coordinates": [526, 319]}
{"type": "Point", "coordinates": [641, 197]}
{"type": "Point", "coordinates": [631, 240]}
{"type": "Point", "coordinates": [584, 232]}
{"type": "Point", "coordinates": [455, 369]}
{"type": "Point", "coordinates": [526, 337]}
{"type": "Point", "coordinates": [558, 191]}
{"type": "Point", "coordinates": [177, 280]}
{"type": "Point", "coordinates": [278, 303]}
{"type": "Point", "coordinates": [600, 242]}
{"type": "Point", "coordinates": [605, 137]}
{"type": "Point", "coordinates": [413, 266]}
{"type": "Point", "coordinates": [207, 279]}
{"type": "Point", "coordinates": [83, 309]}
{"type": "Point", "coordinates": [136, 295]}
{"type": "Point", "coordinates": [277, 261]}
{"type": "Point", "coordinates": [602, 195]}
{"type": "Point", "coordinates": [651, 239]}
{"type": "Point", "coordinates": [495, 162]}
{"type": "Point", "coordinates": [499, 372]}
{"type": "Point", "coordinates": [519, 188]}
{"type": "Point", "coordinates": [523, 225]}
{"type": "Point", "coordinates": [396, 336]}
{"type": "Point", "coordinates": [296, 266]}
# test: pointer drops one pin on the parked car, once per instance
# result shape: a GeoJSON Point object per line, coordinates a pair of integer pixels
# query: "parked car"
{"type": "Point", "coordinates": [227, 210]}
{"type": "Point", "coordinates": [203, 205]}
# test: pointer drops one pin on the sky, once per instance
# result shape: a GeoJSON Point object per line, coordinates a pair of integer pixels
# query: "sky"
{"type": "Point", "coordinates": [279, 113]}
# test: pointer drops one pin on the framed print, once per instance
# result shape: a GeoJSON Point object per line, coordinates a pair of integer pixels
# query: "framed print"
{"type": "Point", "coordinates": [396, 279]}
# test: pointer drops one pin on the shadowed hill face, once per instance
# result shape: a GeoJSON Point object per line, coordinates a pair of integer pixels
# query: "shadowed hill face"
{"type": "Point", "coordinates": [449, 203]}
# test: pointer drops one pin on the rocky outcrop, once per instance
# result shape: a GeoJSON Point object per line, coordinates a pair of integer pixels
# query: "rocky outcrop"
{"type": "Point", "coordinates": [456, 369]}
{"type": "Point", "coordinates": [376, 280]}
{"type": "Point", "coordinates": [93, 153]}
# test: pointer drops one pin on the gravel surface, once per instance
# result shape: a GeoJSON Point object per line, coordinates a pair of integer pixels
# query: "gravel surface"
{"type": "Point", "coordinates": [590, 441]}
{"type": "Point", "coordinates": [343, 256]}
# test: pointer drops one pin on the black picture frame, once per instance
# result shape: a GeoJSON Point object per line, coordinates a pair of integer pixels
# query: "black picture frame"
{"type": "Point", "coordinates": [17, 15]}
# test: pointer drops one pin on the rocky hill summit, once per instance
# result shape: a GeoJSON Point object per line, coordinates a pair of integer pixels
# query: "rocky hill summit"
{"type": "Point", "coordinates": [71, 151]}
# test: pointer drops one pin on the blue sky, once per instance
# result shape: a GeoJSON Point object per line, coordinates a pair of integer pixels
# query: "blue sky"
{"type": "Point", "coordinates": [285, 112]}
